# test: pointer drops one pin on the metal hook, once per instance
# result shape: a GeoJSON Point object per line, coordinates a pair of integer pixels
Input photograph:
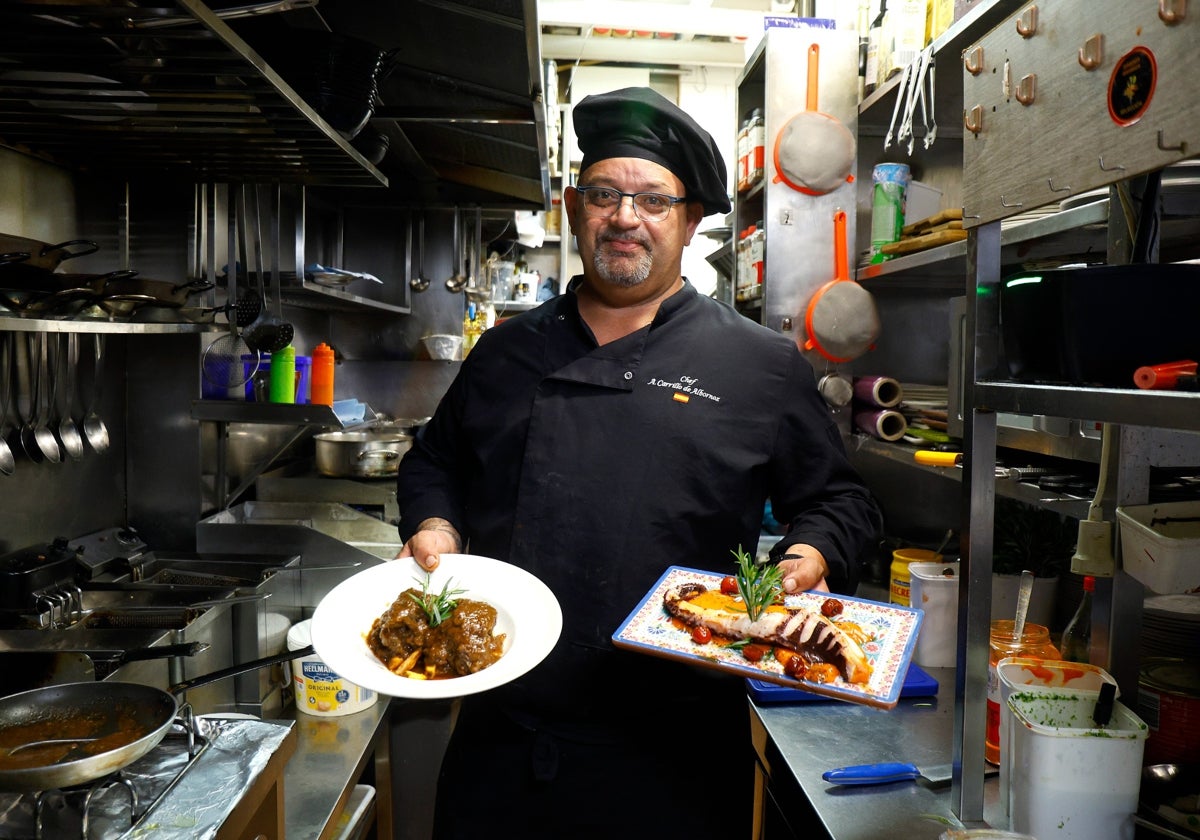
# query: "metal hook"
{"type": "Point", "coordinates": [1091, 54]}
{"type": "Point", "coordinates": [973, 119]}
{"type": "Point", "coordinates": [1027, 22]}
{"type": "Point", "coordinates": [1181, 147]}
{"type": "Point", "coordinates": [1050, 182]}
{"type": "Point", "coordinates": [1004, 203]}
{"type": "Point", "coordinates": [1172, 12]}
{"type": "Point", "coordinates": [973, 60]}
{"type": "Point", "coordinates": [1027, 89]}
{"type": "Point", "coordinates": [1116, 168]}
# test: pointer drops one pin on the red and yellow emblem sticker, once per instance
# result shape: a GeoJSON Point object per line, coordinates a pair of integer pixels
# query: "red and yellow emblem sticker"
{"type": "Point", "coordinates": [1131, 86]}
{"type": "Point", "coordinates": [680, 398]}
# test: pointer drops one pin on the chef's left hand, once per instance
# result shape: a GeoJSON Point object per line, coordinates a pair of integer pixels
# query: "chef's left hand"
{"type": "Point", "coordinates": [803, 568]}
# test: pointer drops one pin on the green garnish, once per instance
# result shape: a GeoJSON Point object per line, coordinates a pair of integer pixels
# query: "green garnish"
{"type": "Point", "coordinates": [437, 607]}
{"type": "Point", "coordinates": [759, 586]}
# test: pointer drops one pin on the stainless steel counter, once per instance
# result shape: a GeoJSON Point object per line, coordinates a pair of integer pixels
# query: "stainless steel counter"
{"type": "Point", "coordinates": [796, 743]}
{"type": "Point", "coordinates": [332, 753]}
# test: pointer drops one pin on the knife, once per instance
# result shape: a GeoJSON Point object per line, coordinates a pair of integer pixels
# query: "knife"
{"type": "Point", "coordinates": [893, 771]}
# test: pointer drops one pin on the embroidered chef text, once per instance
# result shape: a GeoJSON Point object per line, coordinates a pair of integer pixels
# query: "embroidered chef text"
{"type": "Point", "coordinates": [685, 385]}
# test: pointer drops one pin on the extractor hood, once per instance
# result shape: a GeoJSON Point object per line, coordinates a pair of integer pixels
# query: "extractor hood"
{"type": "Point", "coordinates": [143, 88]}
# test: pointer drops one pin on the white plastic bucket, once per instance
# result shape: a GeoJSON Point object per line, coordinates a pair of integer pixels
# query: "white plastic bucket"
{"type": "Point", "coordinates": [933, 587]}
{"type": "Point", "coordinates": [1072, 779]}
{"type": "Point", "coordinates": [319, 690]}
{"type": "Point", "coordinates": [1025, 673]}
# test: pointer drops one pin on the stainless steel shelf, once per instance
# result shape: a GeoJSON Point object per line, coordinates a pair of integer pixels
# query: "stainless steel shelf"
{"type": "Point", "coordinates": [1012, 488]}
{"type": "Point", "coordinates": [307, 294]}
{"type": "Point", "coordinates": [102, 88]}
{"type": "Point", "coordinates": [1069, 236]}
{"type": "Point", "coordinates": [285, 414]}
{"type": "Point", "coordinates": [92, 326]}
{"type": "Point", "coordinates": [1165, 409]}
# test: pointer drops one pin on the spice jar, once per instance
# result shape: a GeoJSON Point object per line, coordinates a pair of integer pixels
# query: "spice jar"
{"type": "Point", "coordinates": [1035, 643]}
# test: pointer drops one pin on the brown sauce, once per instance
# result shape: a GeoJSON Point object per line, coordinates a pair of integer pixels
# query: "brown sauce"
{"type": "Point", "coordinates": [464, 643]}
{"type": "Point", "coordinates": [111, 732]}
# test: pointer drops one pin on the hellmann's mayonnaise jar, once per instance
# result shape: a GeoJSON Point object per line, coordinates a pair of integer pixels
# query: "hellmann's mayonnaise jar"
{"type": "Point", "coordinates": [320, 691]}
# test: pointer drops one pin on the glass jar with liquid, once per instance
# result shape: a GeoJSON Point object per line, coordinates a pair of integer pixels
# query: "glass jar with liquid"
{"type": "Point", "coordinates": [1034, 642]}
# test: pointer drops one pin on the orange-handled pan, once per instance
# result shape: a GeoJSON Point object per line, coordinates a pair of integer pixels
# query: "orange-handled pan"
{"type": "Point", "coordinates": [841, 321]}
{"type": "Point", "coordinates": [814, 152]}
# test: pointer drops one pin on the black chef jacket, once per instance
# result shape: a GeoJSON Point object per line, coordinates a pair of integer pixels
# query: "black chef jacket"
{"type": "Point", "coordinates": [596, 468]}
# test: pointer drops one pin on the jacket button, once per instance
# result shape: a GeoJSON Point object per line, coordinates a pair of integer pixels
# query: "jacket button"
{"type": "Point", "coordinates": [629, 374]}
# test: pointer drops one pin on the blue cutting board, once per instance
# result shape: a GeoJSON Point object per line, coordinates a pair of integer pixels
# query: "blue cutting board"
{"type": "Point", "coordinates": [917, 683]}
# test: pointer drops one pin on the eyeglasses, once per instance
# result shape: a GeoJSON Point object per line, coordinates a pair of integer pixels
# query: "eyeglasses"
{"type": "Point", "coordinates": [649, 206]}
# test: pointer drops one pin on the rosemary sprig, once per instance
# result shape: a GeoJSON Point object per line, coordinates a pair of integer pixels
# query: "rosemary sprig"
{"type": "Point", "coordinates": [759, 586]}
{"type": "Point", "coordinates": [437, 606]}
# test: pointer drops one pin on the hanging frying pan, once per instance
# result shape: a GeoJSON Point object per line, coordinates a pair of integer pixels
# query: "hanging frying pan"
{"type": "Point", "coordinates": [814, 152]}
{"type": "Point", "coordinates": [841, 320]}
{"type": "Point", "coordinates": [42, 254]}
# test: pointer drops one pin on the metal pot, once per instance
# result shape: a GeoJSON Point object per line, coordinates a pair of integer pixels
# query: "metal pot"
{"type": "Point", "coordinates": [110, 725]}
{"type": "Point", "coordinates": [360, 454]}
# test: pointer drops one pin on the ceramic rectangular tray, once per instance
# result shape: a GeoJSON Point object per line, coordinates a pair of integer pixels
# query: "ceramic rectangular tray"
{"type": "Point", "coordinates": [893, 630]}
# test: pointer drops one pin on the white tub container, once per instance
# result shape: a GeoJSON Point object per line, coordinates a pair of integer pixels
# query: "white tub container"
{"type": "Point", "coordinates": [1072, 779]}
{"type": "Point", "coordinates": [1160, 545]}
{"type": "Point", "coordinates": [933, 587]}
{"type": "Point", "coordinates": [1025, 673]}
{"type": "Point", "coordinates": [319, 690]}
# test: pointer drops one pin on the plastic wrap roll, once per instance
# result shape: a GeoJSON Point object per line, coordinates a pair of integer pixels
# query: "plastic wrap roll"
{"type": "Point", "coordinates": [884, 424]}
{"type": "Point", "coordinates": [879, 391]}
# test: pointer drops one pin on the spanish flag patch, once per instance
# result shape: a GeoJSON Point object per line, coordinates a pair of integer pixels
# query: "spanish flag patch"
{"type": "Point", "coordinates": [680, 397]}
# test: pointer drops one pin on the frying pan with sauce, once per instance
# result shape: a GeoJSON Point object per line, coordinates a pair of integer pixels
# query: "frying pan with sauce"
{"type": "Point", "coordinates": [814, 152]}
{"type": "Point", "coordinates": [115, 724]}
{"type": "Point", "coordinates": [91, 729]}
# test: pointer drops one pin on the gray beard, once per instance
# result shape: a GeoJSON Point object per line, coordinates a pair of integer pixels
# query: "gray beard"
{"type": "Point", "coordinates": [622, 273]}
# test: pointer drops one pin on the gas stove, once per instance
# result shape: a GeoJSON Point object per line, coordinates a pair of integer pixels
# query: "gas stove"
{"type": "Point", "coordinates": [191, 784]}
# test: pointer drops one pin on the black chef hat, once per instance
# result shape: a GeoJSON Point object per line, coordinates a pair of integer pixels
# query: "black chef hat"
{"type": "Point", "coordinates": [638, 122]}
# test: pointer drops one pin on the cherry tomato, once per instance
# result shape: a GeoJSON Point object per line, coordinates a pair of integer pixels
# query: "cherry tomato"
{"type": "Point", "coordinates": [701, 635]}
{"type": "Point", "coordinates": [754, 653]}
{"type": "Point", "coordinates": [729, 585]}
{"type": "Point", "coordinates": [795, 666]}
{"type": "Point", "coordinates": [831, 607]}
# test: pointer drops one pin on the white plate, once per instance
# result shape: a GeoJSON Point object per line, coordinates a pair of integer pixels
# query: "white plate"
{"type": "Point", "coordinates": [526, 612]}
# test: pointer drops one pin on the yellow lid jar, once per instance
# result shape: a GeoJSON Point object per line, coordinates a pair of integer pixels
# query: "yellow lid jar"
{"type": "Point", "coordinates": [900, 578]}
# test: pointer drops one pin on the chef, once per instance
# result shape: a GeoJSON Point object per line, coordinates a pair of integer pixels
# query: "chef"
{"type": "Point", "coordinates": [625, 426]}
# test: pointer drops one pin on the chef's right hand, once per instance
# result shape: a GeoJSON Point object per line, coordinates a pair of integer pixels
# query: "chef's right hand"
{"type": "Point", "coordinates": [433, 538]}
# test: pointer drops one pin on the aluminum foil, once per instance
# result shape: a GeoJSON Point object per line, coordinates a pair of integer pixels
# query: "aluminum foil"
{"type": "Point", "coordinates": [203, 797]}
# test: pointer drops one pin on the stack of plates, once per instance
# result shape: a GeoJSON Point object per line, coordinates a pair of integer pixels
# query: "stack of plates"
{"type": "Point", "coordinates": [1170, 625]}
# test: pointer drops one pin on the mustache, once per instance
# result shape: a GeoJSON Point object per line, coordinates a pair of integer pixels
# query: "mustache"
{"type": "Point", "coordinates": [623, 237]}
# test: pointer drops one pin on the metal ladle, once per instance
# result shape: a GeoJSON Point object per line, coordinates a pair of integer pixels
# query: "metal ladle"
{"type": "Point", "coordinates": [420, 283]}
{"type": "Point", "coordinates": [458, 280]}
{"type": "Point", "coordinates": [8, 463]}
{"type": "Point", "coordinates": [68, 433]}
{"type": "Point", "coordinates": [93, 427]}
{"type": "Point", "coordinates": [25, 403]}
{"type": "Point", "coordinates": [45, 438]}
